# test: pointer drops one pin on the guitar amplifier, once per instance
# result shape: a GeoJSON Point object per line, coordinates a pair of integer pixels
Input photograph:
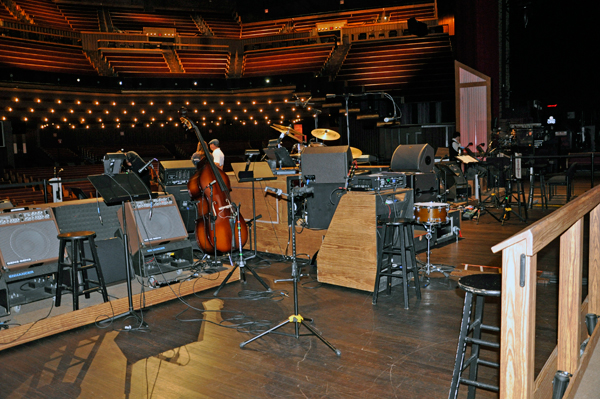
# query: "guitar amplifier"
{"type": "Point", "coordinates": [176, 172]}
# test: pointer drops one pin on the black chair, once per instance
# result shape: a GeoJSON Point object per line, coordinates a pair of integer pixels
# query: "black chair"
{"type": "Point", "coordinates": [563, 179]}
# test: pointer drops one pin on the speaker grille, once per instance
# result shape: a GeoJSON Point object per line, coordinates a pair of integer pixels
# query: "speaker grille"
{"type": "Point", "coordinates": [326, 164]}
{"type": "Point", "coordinates": [164, 225]}
{"type": "Point", "coordinates": [26, 243]}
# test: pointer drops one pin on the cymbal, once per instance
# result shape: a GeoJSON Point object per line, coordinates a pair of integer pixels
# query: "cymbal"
{"type": "Point", "coordinates": [296, 135]}
{"type": "Point", "coordinates": [325, 134]}
{"type": "Point", "coordinates": [355, 152]}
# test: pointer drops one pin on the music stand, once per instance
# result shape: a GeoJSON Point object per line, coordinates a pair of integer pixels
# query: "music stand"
{"type": "Point", "coordinates": [118, 189]}
{"type": "Point", "coordinates": [252, 172]}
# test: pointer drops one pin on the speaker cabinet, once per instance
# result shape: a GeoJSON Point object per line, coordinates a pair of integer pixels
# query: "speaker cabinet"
{"type": "Point", "coordinates": [187, 208]}
{"type": "Point", "coordinates": [413, 158]}
{"type": "Point", "coordinates": [153, 222]}
{"type": "Point", "coordinates": [88, 215]}
{"type": "Point", "coordinates": [28, 238]}
{"type": "Point", "coordinates": [326, 164]}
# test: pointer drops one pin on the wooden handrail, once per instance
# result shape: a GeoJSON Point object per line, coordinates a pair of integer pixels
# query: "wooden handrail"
{"type": "Point", "coordinates": [519, 261]}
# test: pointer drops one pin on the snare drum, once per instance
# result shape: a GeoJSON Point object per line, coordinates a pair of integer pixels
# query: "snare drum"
{"type": "Point", "coordinates": [431, 212]}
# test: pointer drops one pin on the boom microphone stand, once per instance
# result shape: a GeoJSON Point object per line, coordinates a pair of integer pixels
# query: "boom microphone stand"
{"type": "Point", "coordinates": [296, 318]}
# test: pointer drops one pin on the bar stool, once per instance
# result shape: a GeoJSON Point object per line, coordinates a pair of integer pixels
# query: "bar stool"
{"type": "Point", "coordinates": [79, 263]}
{"type": "Point", "coordinates": [538, 171]}
{"type": "Point", "coordinates": [476, 286]}
{"type": "Point", "coordinates": [396, 257]}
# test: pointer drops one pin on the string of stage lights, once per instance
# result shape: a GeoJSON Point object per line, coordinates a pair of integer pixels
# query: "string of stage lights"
{"type": "Point", "coordinates": [93, 110]}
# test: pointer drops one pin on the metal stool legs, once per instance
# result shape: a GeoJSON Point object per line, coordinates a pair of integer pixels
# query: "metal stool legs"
{"type": "Point", "coordinates": [79, 264]}
{"type": "Point", "coordinates": [473, 327]}
{"type": "Point", "coordinates": [396, 244]}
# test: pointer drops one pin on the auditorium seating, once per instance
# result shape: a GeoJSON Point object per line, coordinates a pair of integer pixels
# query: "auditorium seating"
{"type": "Point", "coordinates": [287, 60]}
{"type": "Point", "coordinates": [5, 13]}
{"type": "Point", "coordinates": [35, 55]}
{"type": "Point", "coordinates": [44, 13]}
{"type": "Point", "coordinates": [418, 11]}
{"type": "Point", "coordinates": [137, 62]}
{"type": "Point", "coordinates": [205, 62]}
{"type": "Point", "coordinates": [306, 24]}
{"type": "Point", "coordinates": [129, 20]}
{"type": "Point", "coordinates": [81, 17]}
{"type": "Point", "coordinates": [262, 28]}
{"type": "Point", "coordinates": [417, 67]}
{"type": "Point", "coordinates": [221, 24]}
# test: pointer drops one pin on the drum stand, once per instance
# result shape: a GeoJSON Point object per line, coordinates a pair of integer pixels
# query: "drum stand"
{"type": "Point", "coordinates": [296, 318]}
{"type": "Point", "coordinates": [429, 267]}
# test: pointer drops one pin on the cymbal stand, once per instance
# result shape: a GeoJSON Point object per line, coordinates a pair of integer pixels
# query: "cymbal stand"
{"type": "Point", "coordinates": [241, 264]}
{"type": "Point", "coordinates": [296, 318]}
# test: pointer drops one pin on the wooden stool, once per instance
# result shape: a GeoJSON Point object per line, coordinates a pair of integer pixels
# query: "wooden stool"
{"type": "Point", "coordinates": [79, 263]}
{"type": "Point", "coordinates": [397, 244]}
{"type": "Point", "coordinates": [476, 286]}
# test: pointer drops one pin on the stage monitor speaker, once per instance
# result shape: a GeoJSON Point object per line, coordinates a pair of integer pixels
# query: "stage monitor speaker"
{"type": "Point", "coordinates": [28, 238]}
{"type": "Point", "coordinates": [88, 214]}
{"type": "Point", "coordinates": [413, 158]}
{"type": "Point", "coordinates": [153, 222]}
{"type": "Point", "coordinates": [326, 164]}
{"type": "Point", "coordinates": [187, 209]}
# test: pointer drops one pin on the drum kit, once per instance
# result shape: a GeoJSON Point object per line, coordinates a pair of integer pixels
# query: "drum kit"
{"type": "Point", "coordinates": [431, 215]}
{"type": "Point", "coordinates": [318, 134]}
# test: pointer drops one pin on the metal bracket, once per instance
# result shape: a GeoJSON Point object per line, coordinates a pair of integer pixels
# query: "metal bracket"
{"type": "Point", "coordinates": [522, 276]}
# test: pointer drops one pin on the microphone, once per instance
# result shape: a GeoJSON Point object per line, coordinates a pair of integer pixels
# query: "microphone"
{"type": "Point", "coordinates": [211, 183]}
{"type": "Point", "coordinates": [391, 119]}
{"type": "Point", "coordinates": [276, 191]}
{"type": "Point", "coordinates": [147, 164]}
{"type": "Point", "coordinates": [225, 207]}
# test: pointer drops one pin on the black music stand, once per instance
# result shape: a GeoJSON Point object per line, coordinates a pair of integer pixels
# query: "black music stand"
{"type": "Point", "coordinates": [118, 189]}
{"type": "Point", "coordinates": [252, 172]}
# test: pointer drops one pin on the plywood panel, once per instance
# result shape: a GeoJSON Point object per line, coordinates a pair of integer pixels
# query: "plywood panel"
{"type": "Point", "coordinates": [348, 255]}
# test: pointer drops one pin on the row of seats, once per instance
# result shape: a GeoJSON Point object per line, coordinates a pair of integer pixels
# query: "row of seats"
{"type": "Point", "coordinates": [287, 60]}
{"type": "Point", "coordinates": [32, 54]}
{"type": "Point", "coordinates": [412, 65]}
{"type": "Point", "coordinates": [76, 17]}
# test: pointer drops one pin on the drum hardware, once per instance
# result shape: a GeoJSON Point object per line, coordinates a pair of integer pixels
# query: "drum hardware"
{"type": "Point", "coordinates": [288, 131]}
{"type": "Point", "coordinates": [432, 215]}
{"type": "Point", "coordinates": [325, 134]}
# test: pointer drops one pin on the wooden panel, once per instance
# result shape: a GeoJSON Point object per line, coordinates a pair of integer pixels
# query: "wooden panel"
{"type": "Point", "coordinates": [272, 232]}
{"type": "Point", "coordinates": [517, 334]}
{"type": "Point", "coordinates": [569, 298]}
{"type": "Point", "coordinates": [594, 262]}
{"type": "Point", "coordinates": [348, 256]}
{"type": "Point", "coordinates": [79, 318]}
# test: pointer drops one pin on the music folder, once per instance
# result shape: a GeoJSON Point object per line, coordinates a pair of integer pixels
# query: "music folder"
{"type": "Point", "coordinates": [121, 187]}
{"type": "Point", "coordinates": [254, 171]}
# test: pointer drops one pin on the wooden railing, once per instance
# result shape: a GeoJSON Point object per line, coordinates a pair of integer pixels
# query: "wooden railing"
{"type": "Point", "coordinates": [519, 264]}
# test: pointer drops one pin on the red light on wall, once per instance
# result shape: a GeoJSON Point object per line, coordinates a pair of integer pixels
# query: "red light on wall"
{"type": "Point", "coordinates": [552, 105]}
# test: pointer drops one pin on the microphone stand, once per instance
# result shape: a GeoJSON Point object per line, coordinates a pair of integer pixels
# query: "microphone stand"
{"type": "Point", "coordinates": [213, 219]}
{"type": "Point", "coordinates": [296, 318]}
{"type": "Point", "coordinates": [241, 264]}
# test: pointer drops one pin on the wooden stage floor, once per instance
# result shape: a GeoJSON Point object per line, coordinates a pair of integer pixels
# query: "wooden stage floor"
{"type": "Point", "coordinates": [192, 349]}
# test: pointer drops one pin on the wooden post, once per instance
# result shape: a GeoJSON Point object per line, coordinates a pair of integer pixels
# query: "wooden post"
{"type": "Point", "coordinates": [569, 297]}
{"type": "Point", "coordinates": [517, 331]}
{"type": "Point", "coordinates": [594, 262]}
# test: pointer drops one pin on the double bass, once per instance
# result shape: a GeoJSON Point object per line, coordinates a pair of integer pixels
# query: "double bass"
{"type": "Point", "coordinates": [218, 225]}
